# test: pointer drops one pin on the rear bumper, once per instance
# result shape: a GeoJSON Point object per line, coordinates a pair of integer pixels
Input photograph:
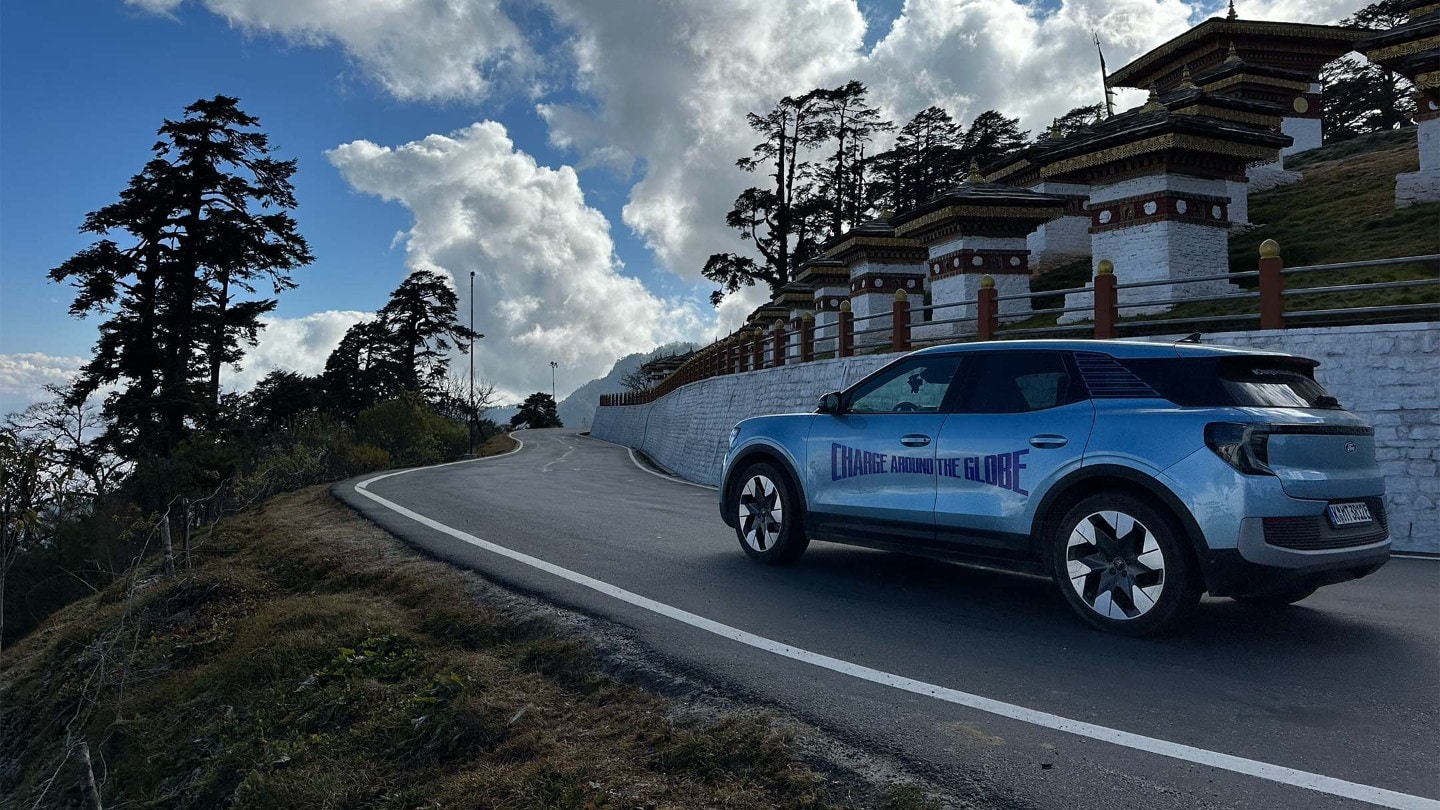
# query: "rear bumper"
{"type": "Point", "coordinates": [1257, 567]}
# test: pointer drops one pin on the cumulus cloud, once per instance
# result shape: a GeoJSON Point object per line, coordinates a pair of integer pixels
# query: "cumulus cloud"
{"type": "Point", "coordinates": [23, 377]}
{"type": "Point", "coordinates": [415, 49]}
{"type": "Point", "coordinates": [292, 344]}
{"type": "Point", "coordinates": [547, 284]}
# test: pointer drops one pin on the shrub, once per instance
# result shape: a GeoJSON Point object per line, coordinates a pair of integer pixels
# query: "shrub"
{"type": "Point", "coordinates": [412, 432]}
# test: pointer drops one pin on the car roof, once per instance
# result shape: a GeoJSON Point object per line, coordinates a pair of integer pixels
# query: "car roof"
{"type": "Point", "coordinates": [1114, 348]}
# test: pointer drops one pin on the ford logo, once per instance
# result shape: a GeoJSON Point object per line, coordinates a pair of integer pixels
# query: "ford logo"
{"type": "Point", "coordinates": [1349, 447]}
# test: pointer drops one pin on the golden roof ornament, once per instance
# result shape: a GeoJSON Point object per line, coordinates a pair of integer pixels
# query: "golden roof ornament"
{"type": "Point", "coordinates": [974, 176]}
{"type": "Point", "coordinates": [1233, 56]}
{"type": "Point", "coordinates": [1054, 133]}
{"type": "Point", "coordinates": [1153, 102]}
{"type": "Point", "coordinates": [1186, 81]}
{"type": "Point", "coordinates": [1231, 15]}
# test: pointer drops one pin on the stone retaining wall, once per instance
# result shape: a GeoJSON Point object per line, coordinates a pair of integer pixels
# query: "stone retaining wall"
{"type": "Point", "coordinates": [1389, 375]}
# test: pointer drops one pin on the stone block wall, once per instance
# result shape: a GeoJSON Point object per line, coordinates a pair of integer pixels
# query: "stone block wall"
{"type": "Point", "coordinates": [1389, 375]}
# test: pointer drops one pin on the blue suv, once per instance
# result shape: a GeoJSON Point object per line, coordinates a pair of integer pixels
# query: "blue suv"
{"type": "Point", "coordinates": [1137, 475]}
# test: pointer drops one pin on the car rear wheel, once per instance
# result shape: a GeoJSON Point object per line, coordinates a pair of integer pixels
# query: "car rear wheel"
{"type": "Point", "coordinates": [1277, 599]}
{"type": "Point", "coordinates": [1123, 565]}
{"type": "Point", "coordinates": [769, 526]}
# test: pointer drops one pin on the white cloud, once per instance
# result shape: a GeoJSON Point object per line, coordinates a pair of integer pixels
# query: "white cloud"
{"type": "Point", "coordinates": [292, 344]}
{"type": "Point", "coordinates": [547, 283]}
{"type": "Point", "coordinates": [23, 377]}
{"type": "Point", "coordinates": [416, 49]}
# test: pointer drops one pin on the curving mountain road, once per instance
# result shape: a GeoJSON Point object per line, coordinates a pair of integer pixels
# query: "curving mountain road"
{"type": "Point", "coordinates": [975, 676]}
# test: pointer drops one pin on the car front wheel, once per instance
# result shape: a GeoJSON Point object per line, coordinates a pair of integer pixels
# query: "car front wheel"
{"type": "Point", "coordinates": [1123, 566]}
{"type": "Point", "coordinates": [768, 511]}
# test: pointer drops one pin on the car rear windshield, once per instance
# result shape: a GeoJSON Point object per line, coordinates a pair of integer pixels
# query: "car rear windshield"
{"type": "Point", "coordinates": [1252, 382]}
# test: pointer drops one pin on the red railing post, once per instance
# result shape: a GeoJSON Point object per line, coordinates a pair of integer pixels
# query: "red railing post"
{"type": "Point", "coordinates": [900, 322]}
{"type": "Point", "coordinates": [987, 309]}
{"type": "Point", "coordinates": [778, 350]}
{"type": "Point", "coordinates": [1105, 309]}
{"type": "Point", "coordinates": [757, 349]}
{"type": "Point", "coordinates": [1272, 286]}
{"type": "Point", "coordinates": [847, 331]}
{"type": "Point", "coordinates": [807, 337]}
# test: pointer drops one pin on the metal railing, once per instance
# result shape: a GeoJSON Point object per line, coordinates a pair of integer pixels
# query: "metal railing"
{"type": "Point", "coordinates": [1263, 307]}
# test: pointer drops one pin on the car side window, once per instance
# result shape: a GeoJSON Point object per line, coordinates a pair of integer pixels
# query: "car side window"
{"type": "Point", "coordinates": [1017, 382]}
{"type": "Point", "coordinates": [913, 386]}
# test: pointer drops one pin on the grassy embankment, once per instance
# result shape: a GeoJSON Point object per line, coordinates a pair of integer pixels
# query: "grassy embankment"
{"type": "Point", "coordinates": [308, 659]}
{"type": "Point", "coordinates": [1342, 211]}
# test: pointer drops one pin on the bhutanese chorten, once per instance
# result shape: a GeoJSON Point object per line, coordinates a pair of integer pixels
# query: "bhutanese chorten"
{"type": "Point", "coordinates": [1413, 50]}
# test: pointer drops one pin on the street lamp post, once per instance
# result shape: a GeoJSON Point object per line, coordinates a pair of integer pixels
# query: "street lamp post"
{"type": "Point", "coordinates": [553, 365]}
{"type": "Point", "coordinates": [472, 356]}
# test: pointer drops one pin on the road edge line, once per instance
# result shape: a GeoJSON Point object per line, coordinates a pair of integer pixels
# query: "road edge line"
{"type": "Point", "coordinates": [677, 479]}
{"type": "Point", "coordinates": [1187, 753]}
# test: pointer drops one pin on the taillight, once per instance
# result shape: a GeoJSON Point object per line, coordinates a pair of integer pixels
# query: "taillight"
{"type": "Point", "coordinates": [1244, 447]}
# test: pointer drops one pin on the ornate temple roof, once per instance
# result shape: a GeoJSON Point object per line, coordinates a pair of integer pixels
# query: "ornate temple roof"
{"type": "Point", "coordinates": [1298, 47]}
{"type": "Point", "coordinates": [979, 206]}
{"type": "Point", "coordinates": [875, 240]}
{"type": "Point", "coordinates": [1412, 48]}
{"type": "Point", "coordinates": [821, 271]}
{"type": "Point", "coordinates": [1188, 120]}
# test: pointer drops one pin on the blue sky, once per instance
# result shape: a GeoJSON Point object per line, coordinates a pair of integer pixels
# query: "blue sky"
{"type": "Point", "coordinates": [74, 128]}
{"type": "Point", "coordinates": [578, 155]}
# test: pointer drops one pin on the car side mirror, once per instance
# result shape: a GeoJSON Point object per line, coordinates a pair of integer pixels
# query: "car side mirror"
{"type": "Point", "coordinates": [831, 403]}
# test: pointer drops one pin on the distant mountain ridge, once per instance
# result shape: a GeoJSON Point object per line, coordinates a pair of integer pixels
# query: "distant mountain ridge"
{"type": "Point", "coordinates": [578, 409]}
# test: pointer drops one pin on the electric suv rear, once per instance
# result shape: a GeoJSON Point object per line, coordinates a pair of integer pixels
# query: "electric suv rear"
{"type": "Point", "coordinates": [1137, 475]}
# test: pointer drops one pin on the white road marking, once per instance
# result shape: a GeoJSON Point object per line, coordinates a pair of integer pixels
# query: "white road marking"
{"type": "Point", "coordinates": [1188, 753]}
{"type": "Point", "coordinates": [570, 449]}
{"type": "Point", "coordinates": [1404, 556]}
{"type": "Point", "coordinates": [657, 474]}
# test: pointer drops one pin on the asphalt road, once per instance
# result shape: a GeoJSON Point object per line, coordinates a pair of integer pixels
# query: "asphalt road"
{"type": "Point", "coordinates": [1345, 685]}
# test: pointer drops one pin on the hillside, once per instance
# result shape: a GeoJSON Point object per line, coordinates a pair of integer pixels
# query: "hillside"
{"type": "Point", "coordinates": [308, 659]}
{"type": "Point", "coordinates": [578, 409]}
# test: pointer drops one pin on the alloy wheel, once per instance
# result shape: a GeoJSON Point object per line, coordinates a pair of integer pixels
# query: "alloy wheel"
{"type": "Point", "coordinates": [761, 513]}
{"type": "Point", "coordinates": [1115, 564]}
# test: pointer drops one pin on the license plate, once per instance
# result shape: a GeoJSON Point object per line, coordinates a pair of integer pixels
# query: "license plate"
{"type": "Point", "coordinates": [1349, 514]}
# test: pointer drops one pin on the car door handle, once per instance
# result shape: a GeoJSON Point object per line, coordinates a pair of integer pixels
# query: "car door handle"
{"type": "Point", "coordinates": [1048, 440]}
{"type": "Point", "coordinates": [914, 440]}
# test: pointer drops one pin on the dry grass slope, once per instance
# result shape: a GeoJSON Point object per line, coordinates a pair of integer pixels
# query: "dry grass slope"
{"type": "Point", "coordinates": [306, 660]}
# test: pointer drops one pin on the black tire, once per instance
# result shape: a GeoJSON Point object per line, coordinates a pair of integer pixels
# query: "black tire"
{"type": "Point", "coordinates": [1134, 572]}
{"type": "Point", "coordinates": [1278, 599]}
{"type": "Point", "coordinates": [770, 526]}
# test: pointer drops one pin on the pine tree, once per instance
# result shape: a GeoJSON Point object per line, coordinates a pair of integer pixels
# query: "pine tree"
{"type": "Point", "coordinates": [850, 122]}
{"type": "Point", "coordinates": [991, 137]}
{"type": "Point", "coordinates": [1078, 119]}
{"type": "Point", "coordinates": [1362, 96]}
{"type": "Point", "coordinates": [360, 372]}
{"type": "Point", "coordinates": [421, 318]}
{"type": "Point", "coordinates": [200, 230]}
{"type": "Point", "coordinates": [924, 161]}
{"type": "Point", "coordinates": [768, 217]}
{"type": "Point", "coordinates": [537, 411]}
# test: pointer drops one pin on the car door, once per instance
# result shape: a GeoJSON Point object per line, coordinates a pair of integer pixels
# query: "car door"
{"type": "Point", "coordinates": [871, 467]}
{"type": "Point", "coordinates": [1021, 419]}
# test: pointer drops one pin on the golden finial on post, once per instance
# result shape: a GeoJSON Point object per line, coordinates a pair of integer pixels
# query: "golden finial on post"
{"type": "Point", "coordinates": [1269, 249]}
{"type": "Point", "coordinates": [987, 282]}
{"type": "Point", "coordinates": [779, 323]}
{"type": "Point", "coordinates": [1105, 267]}
{"type": "Point", "coordinates": [845, 305]}
{"type": "Point", "coordinates": [807, 316]}
{"type": "Point", "coordinates": [900, 295]}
